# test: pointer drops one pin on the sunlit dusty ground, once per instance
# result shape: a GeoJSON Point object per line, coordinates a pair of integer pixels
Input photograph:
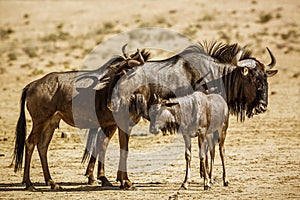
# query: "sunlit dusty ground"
{"type": "Point", "coordinates": [262, 154]}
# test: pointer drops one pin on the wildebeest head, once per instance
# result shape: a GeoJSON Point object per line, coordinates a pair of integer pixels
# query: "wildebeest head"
{"type": "Point", "coordinates": [165, 117]}
{"type": "Point", "coordinates": [248, 91]}
{"type": "Point", "coordinates": [254, 80]}
{"type": "Point", "coordinates": [126, 67]}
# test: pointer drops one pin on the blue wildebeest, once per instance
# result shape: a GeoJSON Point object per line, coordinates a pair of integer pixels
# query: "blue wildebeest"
{"type": "Point", "coordinates": [221, 68]}
{"type": "Point", "coordinates": [76, 97]}
{"type": "Point", "coordinates": [195, 115]}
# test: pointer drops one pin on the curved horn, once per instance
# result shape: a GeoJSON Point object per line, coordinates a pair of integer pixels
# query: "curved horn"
{"type": "Point", "coordinates": [238, 56]}
{"type": "Point", "coordinates": [247, 63]}
{"type": "Point", "coordinates": [124, 51]}
{"type": "Point", "coordinates": [141, 57]}
{"type": "Point", "coordinates": [273, 60]}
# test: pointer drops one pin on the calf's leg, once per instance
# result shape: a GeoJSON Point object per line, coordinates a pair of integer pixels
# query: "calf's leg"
{"type": "Point", "coordinates": [203, 149]}
{"type": "Point", "coordinates": [187, 178]}
{"type": "Point", "coordinates": [222, 153]}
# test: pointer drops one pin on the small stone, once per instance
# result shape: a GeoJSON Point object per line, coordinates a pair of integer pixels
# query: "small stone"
{"type": "Point", "coordinates": [2, 154]}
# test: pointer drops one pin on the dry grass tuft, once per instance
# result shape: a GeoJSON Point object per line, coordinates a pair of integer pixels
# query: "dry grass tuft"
{"type": "Point", "coordinates": [265, 17]}
{"type": "Point", "coordinates": [12, 56]}
{"type": "Point", "coordinates": [5, 33]}
{"type": "Point", "coordinates": [30, 51]}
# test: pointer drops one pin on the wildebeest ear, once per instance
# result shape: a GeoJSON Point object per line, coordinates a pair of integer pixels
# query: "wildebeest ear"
{"type": "Point", "coordinates": [156, 99]}
{"type": "Point", "coordinates": [238, 56]}
{"type": "Point", "coordinates": [245, 71]}
{"type": "Point", "coordinates": [271, 73]}
{"type": "Point", "coordinates": [133, 63]}
{"type": "Point", "coordinates": [101, 84]}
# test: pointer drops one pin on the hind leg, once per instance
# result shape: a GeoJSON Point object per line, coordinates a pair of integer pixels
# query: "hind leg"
{"type": "Point", "coordinates": [212, 159]}
{"type": "Point", "coordinates": [91, 165]}
{"type": "Point", "coordinates": [102, 142]}
{"type": "Point", "coordinates": [42, 146]}
{"type": "Point", "coordinates": [30, 143]}
{"type": "Point", "coordinates": [99, 151]}
{"type": "Point", "coordinates": [222, 153]}
{"type": "Point", "coordinates": [222, 149]}
{"type": "Point", "coordinates": [203, 150]}
{"type": "Point", "coordinates": [188, 156]}
{"type": "Point", "coordinates": [122, 171]}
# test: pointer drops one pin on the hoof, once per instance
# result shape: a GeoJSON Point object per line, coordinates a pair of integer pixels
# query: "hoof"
{"type": "Point", "coordinates": [92, 181]}
{"type": "Point", "coordinates": [127, 185]}
{"type": "Point", "coordinates": [105, 182]}
{"type": "Point", "coordinates": [206, 187]}
{"type": "Point", "coordinates": [56, 187]}
{"type": "Point", "coordinates": [131, 188]}
{"type": "Point", "coordinates": [226, 183]}
{"type": "Point", "coordinates": [31, 188]}
{"type": "Point", "coordinates": [185, 186]}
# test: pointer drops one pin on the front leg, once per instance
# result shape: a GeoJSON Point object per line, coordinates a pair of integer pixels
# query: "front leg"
{"type": "Point", "coordinates": [188, 154]}
{"type": "Point", "coordinates": [203, 150]}
{"type": "Point", "coordinates": [122, 171]}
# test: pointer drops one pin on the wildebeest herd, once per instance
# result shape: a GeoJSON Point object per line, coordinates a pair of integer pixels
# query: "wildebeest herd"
{"type": "Point", "coordinates": [192, 92]}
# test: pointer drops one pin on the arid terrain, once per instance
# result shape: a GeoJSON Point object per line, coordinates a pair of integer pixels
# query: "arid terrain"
{"type": "Point", "coordinates": [262, 154]}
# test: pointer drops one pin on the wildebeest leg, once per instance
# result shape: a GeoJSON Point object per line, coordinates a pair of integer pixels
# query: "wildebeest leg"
{"type": "Point", "coordinates": [103, 140]}
{"type": "Point", "coordinates": [90, 169]}
{"type": "Point", "coordinates": [122, 171]}
{"type": "Point", "coordinates": [202, 155]}
{"type": "Point", "coordinates": [206, 164]}
{"type": "Point", "coordinates": [99, 151]}
{"type": "Point", "coordinates": [29, 147]}
{"type": "Point", "coordinates": [187, 178]}
{"type": "Point", "coordinates": [212, 158]}
{"type": "Point", "coordinates": [222, 153]}
{"type": "Point", "coordinates": [95, 152]}
{"type": "Point", "coordinates": [43, 145]}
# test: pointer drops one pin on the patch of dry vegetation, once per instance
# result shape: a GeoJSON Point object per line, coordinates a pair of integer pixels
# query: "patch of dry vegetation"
{"type": "Point", "coordinates": [5, 33]}
{"type": "Point", "coordinates": [264, 17]}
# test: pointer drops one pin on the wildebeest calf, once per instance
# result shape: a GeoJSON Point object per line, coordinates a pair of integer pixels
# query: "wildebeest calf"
{"type": "Point", "coordinates": [197, 114]}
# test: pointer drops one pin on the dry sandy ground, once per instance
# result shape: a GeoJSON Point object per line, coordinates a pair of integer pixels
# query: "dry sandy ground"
{"type": "Point", "coordinates": [262, 154]}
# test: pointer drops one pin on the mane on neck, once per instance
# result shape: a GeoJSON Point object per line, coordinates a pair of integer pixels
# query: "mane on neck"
{"type": "Point", "coordinates": [224, 53]}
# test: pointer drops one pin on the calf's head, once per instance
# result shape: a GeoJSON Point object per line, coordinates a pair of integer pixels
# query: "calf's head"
{"type": "Point", "coordinates": [164, 117]}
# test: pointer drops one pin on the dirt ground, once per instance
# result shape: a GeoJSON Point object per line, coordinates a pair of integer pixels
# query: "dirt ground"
{"type": "Point", "coordinates": [262, 154]}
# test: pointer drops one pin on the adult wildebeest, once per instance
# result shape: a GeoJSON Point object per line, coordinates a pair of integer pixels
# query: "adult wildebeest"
{"type": "Point", "coordinates": [76, 97]}
{"type": "Point", "coordinates": [219, 68]}
{"type": "Point", "coordinates": [195, 115]}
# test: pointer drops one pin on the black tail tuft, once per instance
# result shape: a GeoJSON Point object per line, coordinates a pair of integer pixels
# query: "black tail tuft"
{"type": "Point", "coordinates": [20, 133]}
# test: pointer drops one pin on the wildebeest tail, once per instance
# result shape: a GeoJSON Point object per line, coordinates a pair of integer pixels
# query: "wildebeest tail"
{"type": "Point", "coordinates": [20, 133]}
{"type": "Point", "coordinates": [90, 144]}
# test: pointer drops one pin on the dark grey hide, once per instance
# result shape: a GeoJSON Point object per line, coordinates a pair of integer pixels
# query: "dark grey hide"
{"type": "Point", "coordinates": [219, 68]}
